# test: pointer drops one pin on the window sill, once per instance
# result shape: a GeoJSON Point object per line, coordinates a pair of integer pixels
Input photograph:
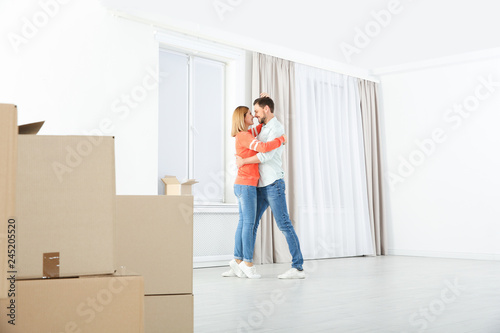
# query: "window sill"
{"type": "Point", "coordinates": [215, 208]}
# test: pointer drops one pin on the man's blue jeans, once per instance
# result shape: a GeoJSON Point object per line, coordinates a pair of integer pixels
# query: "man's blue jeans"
{"type": "Point", "coordinates": [274, 195]}
{"type": "Point", "coordinates": [244, 241]}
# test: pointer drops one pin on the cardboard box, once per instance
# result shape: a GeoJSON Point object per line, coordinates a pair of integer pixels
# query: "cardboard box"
{"type": "Point", "coordinates": [154, 238]}
{"type": "Point", "coordinates": [91, 304]}
{"type": "Point", "coordinates": [8, 164]}
{"type": "Point", "coordinates": [169, 313]}
{"type": "Point", "coordinates": [65, 206]}
{"type": "Point", "coordinates": [174, 187]}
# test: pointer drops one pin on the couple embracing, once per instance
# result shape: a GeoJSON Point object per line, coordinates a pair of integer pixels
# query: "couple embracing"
{"type": "Point", "coordinates": [258, 185]}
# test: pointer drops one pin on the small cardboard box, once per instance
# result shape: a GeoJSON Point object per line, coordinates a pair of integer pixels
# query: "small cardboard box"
{"type": "Point", "coordinates": [154, 238]}
{"type": "Point", "coordinates": [169, 313]}
{"type": "Point", "coordinates": [174, 187]}
{"type": "Point", "coordinates": [100, 304]}
{"type": "Point", "coordinates": [8, 165]}
{"type": "Point", "coordinates": [65, 206]}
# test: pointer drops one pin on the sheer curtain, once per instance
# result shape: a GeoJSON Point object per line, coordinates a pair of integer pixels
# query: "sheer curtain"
{"type": "Point", "coordinates": [330, 200]}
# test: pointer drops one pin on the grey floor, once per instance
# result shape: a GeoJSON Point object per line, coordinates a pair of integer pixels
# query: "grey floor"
{"type": "Point", "coordinates": [362, 294]}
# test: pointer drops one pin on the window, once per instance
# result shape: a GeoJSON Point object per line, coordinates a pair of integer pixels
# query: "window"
{"type": "Point", "coordinates": [201, 82]}
{"type": "Point", "coordinates": [191, 123]}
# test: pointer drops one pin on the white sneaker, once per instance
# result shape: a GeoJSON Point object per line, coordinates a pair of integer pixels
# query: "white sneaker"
{"type": "Point", "coordinates": [250, 272]}
{"type": "Point", "coordinates": [229, 273]}
{"type": "Point", "coordinates": [236, 269]}
{"type": "Point", "coordinates": [293, 273]}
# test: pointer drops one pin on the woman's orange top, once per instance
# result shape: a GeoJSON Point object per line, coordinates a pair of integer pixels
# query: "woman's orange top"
{"type": "Point", "coordinates": [247, 146]}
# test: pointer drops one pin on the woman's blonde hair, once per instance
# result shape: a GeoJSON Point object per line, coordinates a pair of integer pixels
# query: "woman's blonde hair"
{"type": "Point", "coordinates": [239, 120]}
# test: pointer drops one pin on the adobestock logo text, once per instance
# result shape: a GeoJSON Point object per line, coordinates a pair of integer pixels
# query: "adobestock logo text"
{"type": "Point", "coordinates": [31, 26]}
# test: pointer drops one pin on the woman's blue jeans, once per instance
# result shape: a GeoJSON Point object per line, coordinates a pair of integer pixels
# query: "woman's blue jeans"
{"type": "Point", "coordinates": [244, 241]}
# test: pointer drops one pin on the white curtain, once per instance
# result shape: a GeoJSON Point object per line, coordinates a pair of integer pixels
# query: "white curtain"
{"type": "Point", "coordinates": [330, 197]}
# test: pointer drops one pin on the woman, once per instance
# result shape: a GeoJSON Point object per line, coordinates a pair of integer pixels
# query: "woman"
{"type": "Point", "coordinates": [245, 189]}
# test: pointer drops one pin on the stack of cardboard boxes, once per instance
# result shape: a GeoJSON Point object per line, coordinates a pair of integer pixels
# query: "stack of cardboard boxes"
{"type": "Point", "coordinates": [154, 238]}
{"type": "Point", "coordinates": [63, 233]}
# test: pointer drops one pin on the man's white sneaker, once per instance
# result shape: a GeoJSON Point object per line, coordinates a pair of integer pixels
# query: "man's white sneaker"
{"type": "Point", "coordinates": [229, 273]}
{"type": "Point", "coordinates": [250, 272]}
{"type": "Point", "coordinates": [236, 269]}
{"type": "Point", "coordinates": [293, 273]}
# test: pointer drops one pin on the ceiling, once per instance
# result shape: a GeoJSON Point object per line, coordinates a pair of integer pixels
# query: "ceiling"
{"type": "Point", "coordinates": [370, 34]}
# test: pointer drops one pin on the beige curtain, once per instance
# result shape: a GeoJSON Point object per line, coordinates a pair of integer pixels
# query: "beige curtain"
{"type": "Point", "coordinates": [276, 77]}
{"type": "Point", "coordinates": [371, 132]}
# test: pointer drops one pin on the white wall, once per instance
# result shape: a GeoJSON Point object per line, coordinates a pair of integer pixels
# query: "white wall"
{"type": "Point", "coordinates": [444, 198]}
{"type": "Point", "coordinates": [85, 71]}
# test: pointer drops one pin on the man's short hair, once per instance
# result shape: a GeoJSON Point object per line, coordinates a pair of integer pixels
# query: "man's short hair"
{"type": "Point", "coordinates": [263, 101]}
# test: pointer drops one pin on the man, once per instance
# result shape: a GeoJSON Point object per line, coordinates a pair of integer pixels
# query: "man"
{"type": "Point", "coordinates": [271, 187]}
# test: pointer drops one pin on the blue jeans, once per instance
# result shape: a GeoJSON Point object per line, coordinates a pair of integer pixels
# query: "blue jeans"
{"type": "Point", "coordinates": [244, 241]}
{"type": "Point", "coordinates": [274, 195]}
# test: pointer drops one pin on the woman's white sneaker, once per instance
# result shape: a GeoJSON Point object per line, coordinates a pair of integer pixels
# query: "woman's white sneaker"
{"type": "Point", "coordinates": [250, 272]}
{"type": "Point", "coordinates": [293, 273]}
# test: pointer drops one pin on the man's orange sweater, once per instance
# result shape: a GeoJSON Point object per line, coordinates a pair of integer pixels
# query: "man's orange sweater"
{"type": "Point", "coordinates": [247, 146]}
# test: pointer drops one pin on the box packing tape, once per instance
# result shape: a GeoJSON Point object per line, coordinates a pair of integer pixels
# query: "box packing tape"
{"type": "Point", "coordinates": [51, 265]}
